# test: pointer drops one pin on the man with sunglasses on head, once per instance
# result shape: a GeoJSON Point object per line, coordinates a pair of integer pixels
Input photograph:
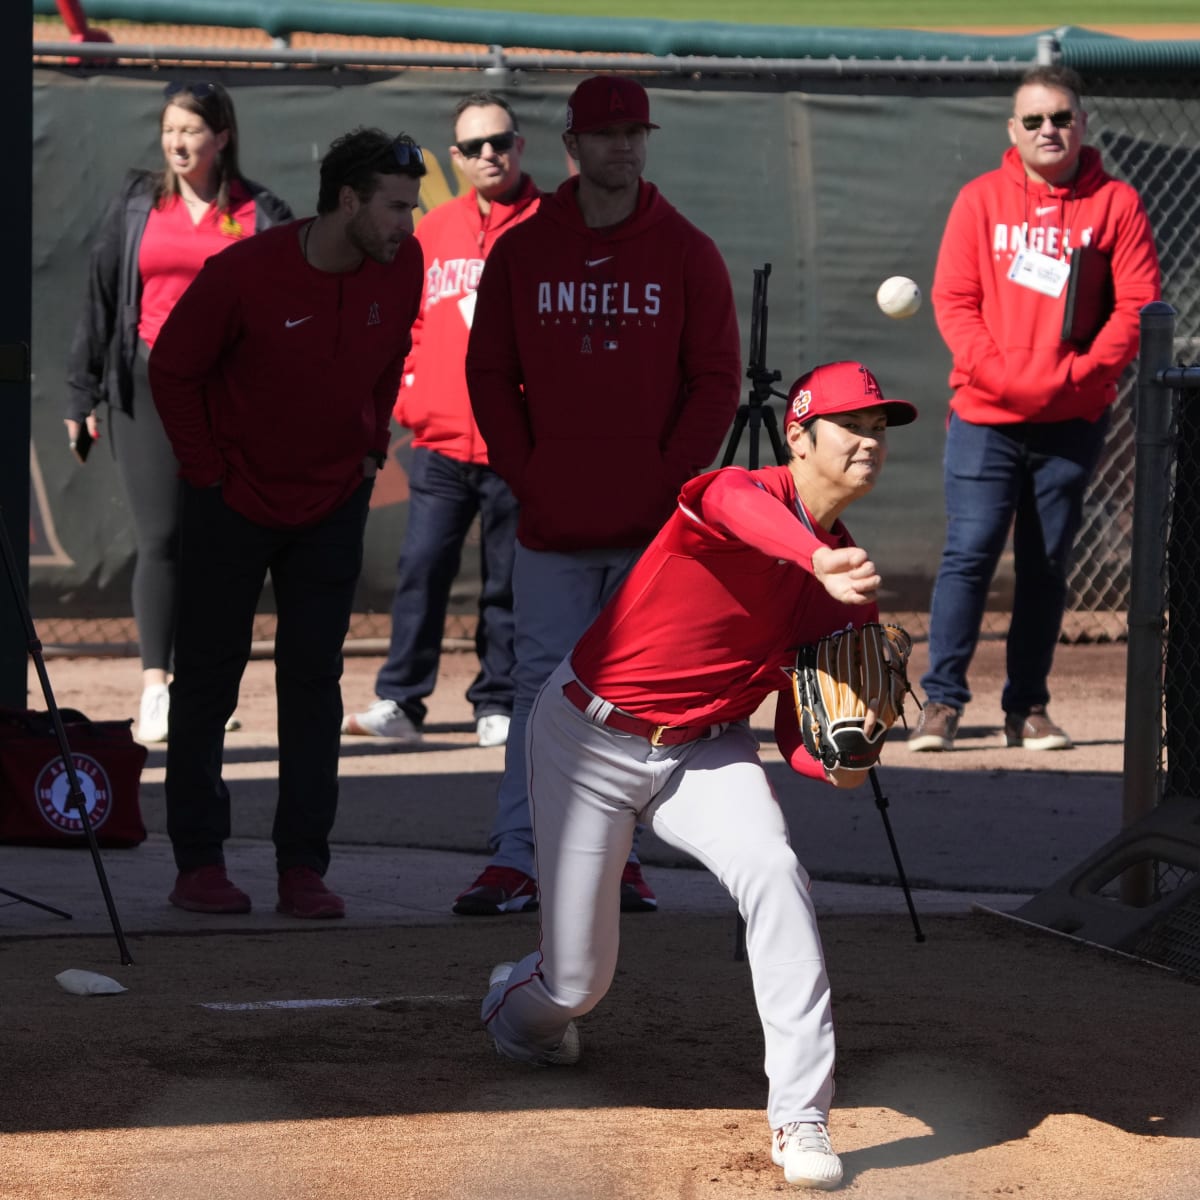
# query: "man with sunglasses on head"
{"type": "Point", "coordinates": [1032, 391]}
{"type": "Point", "coordinates": [450, 480]}
{"type": "Point", "coordinates": [604, 371]}
{"type": "Point", "coordinates": [275, 376]}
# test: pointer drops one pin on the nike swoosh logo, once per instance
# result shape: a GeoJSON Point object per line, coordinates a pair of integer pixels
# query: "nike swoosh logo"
{"type": "Point", "coordinates": [1045, 209]}
{"type": "Point", "coordinates": [595, 262]}
{"type": "Point", "coordinates": [293, 324]}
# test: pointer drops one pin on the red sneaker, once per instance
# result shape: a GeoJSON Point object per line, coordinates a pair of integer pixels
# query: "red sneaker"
{"type": "Point", "coordinates": [498, 890]}
{"type": "Point", "coordinates": [302, 893]}
{"type": "Point", "coordinates": [208, 890]}
{"type": "Point", "coordinates": [636, 895]}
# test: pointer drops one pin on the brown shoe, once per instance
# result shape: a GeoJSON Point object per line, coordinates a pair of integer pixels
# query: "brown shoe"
{"type": "Point", "coordinates": [208, 890]}
{"type": "Point", "coordinates": [936, 728]}
{"type": "Point", "coordinates": [302, 893]}
{"type": "Point", "coordinates": [1033, 730]}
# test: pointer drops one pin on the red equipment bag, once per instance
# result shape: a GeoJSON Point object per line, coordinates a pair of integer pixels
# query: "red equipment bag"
{"type": "Point", "coordinates": [35, 803]}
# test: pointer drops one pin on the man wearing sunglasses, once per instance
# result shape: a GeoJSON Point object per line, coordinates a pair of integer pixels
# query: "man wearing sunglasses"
{"type": "Point", "coordinates": [275, 376]}
{"type": "Point", "coordinates": [604, 371]}
{"type": "Point", "coordinates": [1028, 249]}
{"type": "Point", "coordinates": [450, 480]}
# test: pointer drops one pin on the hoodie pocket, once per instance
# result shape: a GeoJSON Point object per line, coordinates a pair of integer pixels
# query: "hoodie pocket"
{"type": "Point", "coordinates": [599, 491]}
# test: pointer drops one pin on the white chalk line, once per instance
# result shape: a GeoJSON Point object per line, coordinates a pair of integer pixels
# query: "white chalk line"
{"type": "Point", "coordinates": [337, 1002]}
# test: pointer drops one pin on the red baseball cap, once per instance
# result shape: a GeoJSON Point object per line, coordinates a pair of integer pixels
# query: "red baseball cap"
{"type": "Point", "coordinates": [842, 387]}
{"type": "Point", "coordinates": [606, 100]}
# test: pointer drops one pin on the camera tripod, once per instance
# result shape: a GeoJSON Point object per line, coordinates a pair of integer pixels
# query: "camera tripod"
{"type": "Point", "coordinates": [757, 414]}
{"type": "Point", "coordinates": [75, 793]}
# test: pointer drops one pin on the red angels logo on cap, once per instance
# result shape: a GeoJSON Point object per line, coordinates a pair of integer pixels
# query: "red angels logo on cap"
{"type": "Point", "coordinates": [801, 404]}
{"type": "Point", "coordinates": [615, 104]}
{"type": "Point", "coordinates": [870, 383]}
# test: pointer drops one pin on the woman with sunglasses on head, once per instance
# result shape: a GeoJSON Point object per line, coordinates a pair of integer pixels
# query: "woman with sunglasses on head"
{"type": "Point", "coordinates": [153, 240]}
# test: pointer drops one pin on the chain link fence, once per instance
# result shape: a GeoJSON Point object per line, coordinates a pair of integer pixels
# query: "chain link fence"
{"type": "Point", "coordinates": [1149, 134]}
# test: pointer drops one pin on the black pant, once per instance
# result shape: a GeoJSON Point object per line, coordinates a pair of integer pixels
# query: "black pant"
{"type": "Point", "coordinates": [223, 563]}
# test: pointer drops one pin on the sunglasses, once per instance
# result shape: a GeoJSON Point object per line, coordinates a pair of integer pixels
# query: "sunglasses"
{"type": "Point", "coordinates": [406, 153]}
{"type": "Point", "coordinates": [201, 91]}
{"type": "Point", "coordinates": [1063, 119]}
{"type": "Point", "coordinates": [502, 143]}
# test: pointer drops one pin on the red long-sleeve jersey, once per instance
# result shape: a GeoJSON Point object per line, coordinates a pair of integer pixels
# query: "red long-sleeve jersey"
{"type": "Point", "coordinates": [278, 380]}
{"type": "Point", "coordinates": [715, 609]}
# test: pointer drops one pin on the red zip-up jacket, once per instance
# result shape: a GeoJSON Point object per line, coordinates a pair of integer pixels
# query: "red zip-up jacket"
{"type": "Point", "coordinates": [277, 380]}
{"type": "Point", "coordinates": [604, 368]}
{"type": "Point", "coordinates": [456, 238]}
{"type": "Point", "coordinates": [1010, 362]}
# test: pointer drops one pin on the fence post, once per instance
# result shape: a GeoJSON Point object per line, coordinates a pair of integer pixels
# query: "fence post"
{"type": "Point", "coordinates": [1144, 651]}
{"type": "Point", "coordinates": [1049, 51]}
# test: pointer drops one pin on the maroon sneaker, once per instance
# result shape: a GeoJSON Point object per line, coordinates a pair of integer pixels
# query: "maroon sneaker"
{"type": "Point", "coordinates": [302, 893]}
{"type": "Point", "coordinates": [208, 890]}
{"type": "Point", "coordinates": [636, 895]}
{"type": "Point", "coordinates": [498, 890]}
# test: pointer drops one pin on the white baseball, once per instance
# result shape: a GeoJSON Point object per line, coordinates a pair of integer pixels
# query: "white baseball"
{"type": "Point", "coordinates": [898, 297]}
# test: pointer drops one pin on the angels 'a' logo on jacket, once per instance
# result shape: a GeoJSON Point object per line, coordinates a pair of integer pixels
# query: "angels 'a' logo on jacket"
{"type": "Point", "coordinates": [592, 298]}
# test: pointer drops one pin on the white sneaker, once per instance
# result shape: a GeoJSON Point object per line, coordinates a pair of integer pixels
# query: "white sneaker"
{"type": "Point", "coordinates": [152, 716]}
{"type": "Point", "coordinates": [385, 719]}
{"type": "Point", "coordinates": [500, 974]}
{"type": "Point", "coordinates": [804, 1152]}
{"type": "Point", "coordinates": [565, 1054]}
{"type": "Point", "coordinates": [493, 729]}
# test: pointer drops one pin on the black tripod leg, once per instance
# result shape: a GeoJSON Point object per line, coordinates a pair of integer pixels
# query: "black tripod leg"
{"type": "Point", "coordinates": [735, 435]}
{"type": "Point", "coordinates": [58, 912]}
{"type": "Point", "coordinates": [781, 454]}
{"type": "Point", "coordinates": [75, 793]}
{"type": "Point", "coordinates": [881, 804]}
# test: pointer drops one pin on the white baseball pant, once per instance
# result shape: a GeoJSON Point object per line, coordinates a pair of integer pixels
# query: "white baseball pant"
{"type": "Point", "coordinates": [588, 787]}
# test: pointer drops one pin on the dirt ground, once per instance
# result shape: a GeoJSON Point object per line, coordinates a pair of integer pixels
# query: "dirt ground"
{"type": "Point", "coordinates": [987, 1061]}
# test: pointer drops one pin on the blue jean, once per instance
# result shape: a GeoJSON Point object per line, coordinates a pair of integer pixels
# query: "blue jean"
{"type": "Point", "coordinates": [557, 597]}
{"type": "Point", "coordinates": [1031, 478]}
{"type": "Point", "coordinates": [444, 497]}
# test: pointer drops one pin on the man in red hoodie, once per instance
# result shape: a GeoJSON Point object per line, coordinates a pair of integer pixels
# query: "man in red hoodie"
{"type": "Point", "coordinates": [1030, 406]}
{"type": "Point", "coordinates": [604, 371]}
{"type": "Point", "coordinates": [450, 480]}
{"type": "Point", "coordinates": [275, 376]}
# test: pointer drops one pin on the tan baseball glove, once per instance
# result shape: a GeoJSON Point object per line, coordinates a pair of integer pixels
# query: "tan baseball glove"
{"type": "Point", "coordinates": [849, 690]}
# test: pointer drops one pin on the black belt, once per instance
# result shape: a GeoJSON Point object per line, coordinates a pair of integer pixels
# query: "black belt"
{"type": "Point", "coordinates": [656, 735]}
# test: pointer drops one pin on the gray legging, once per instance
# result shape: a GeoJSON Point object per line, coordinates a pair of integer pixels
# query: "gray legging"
{"type": "Point", "coordinates": [150, 475]}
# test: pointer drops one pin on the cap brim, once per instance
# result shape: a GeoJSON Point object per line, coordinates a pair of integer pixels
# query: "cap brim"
{"type": "Point", "coordinates": [899, 412]}
{"type": "Point", "coordinates": [612, 124]}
